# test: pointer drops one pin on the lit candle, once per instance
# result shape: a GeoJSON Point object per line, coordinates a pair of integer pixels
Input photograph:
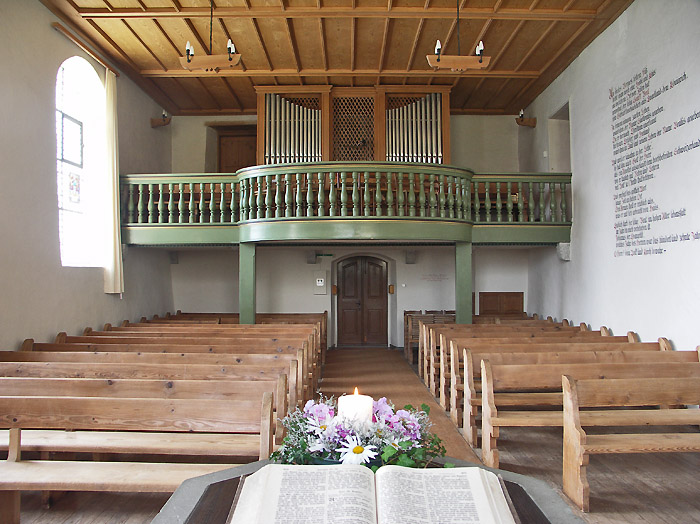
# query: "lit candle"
{"type": "Point", "coordinates": [356, 408]}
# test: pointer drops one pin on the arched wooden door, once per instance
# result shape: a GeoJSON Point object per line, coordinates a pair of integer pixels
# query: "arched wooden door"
{"type": "Point", "coordinates": [362, 302]}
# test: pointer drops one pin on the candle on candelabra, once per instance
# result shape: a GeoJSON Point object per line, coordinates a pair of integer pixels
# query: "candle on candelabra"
{"type": "Point", "coordinates": [356, 407]}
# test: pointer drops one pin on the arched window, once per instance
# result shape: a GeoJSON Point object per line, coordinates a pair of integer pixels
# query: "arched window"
{"type": "Point", "coordinates": [81, 165]}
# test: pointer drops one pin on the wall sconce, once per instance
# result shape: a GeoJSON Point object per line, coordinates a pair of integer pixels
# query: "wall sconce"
{"type": "Point", "coordinates": [522, 121]}
{"type": "Point", "coordinates": [164, 120]}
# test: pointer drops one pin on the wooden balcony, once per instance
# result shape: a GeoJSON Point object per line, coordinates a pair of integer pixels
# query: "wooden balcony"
{"type": "Point", "coordinates": [348, 201]}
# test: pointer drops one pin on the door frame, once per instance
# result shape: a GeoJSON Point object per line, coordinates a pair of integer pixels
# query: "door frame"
{"type": "Point", "coordinates": [391, 324]}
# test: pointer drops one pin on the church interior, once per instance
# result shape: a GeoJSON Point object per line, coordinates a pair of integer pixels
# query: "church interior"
{"type": "Point", "coordinates": [481, 205]}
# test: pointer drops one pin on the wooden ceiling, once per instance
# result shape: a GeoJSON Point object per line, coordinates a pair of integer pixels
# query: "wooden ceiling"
{"type": "Point", "coordinates": [349, 43]}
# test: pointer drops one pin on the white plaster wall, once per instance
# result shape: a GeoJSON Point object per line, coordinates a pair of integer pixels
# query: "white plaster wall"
{"type": "Point", "coordinates": [194, 142]}
{"type": "Point", "coordinates": [485, 144]}
{"type": "Point", "coordinates": [39, 296]}
{"type": "Point", "coordinates": [653, 295]}
{"type": "Point", "coordinates": [206, 280]}
{"type": "Point", "coordinates": [500, 269]}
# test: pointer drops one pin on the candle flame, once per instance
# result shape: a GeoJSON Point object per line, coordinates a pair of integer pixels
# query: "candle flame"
{"type": "Point", "coordinates": [356, 392]}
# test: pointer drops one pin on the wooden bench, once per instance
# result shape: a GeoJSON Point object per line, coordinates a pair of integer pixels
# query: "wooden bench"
{"type": "Point", "coordinates": [626, 396]}
{"type": "Point", "coordinates": [433, 357]}
{"type": "Point", "coordinates": [440, 337]}
{"type": "Point", "coordinates": [534, 385]}
{"type": "Point", "coordinates": [230, 446]}
{"type": "Point", "coordinates": [298, 384]}
{"type": "Point", "coordinates": [465, 373]}
{"type": "Point", "coordinates": [134, 415]}
{"type": "Point", "coordinates": [307, 373]}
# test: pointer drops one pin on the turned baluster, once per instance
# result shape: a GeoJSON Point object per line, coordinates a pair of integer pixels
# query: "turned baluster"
{"type": "Point", "coordinates": [161, 205]}
{"type": "Point", "coordinates": [562, 187]}
{"type": "Point", "coordinates": [441, 196]}
{"type": "Point", "coordinates": [542, 213]}
{"type": "Point", "coordinates": [343, 195]}
{"type": "Point", "coordinates": [477, 203]}
{"type": "Point", "coordinates": [243, 199]}
{"type": "Point", "coordinates": [552, 202]}
{"type": "Point", "coordinates": [309, 177]}
{"type": "Point", "coordinates": [268, 196]}
{"type": "Point", "coordinates": [278, 195]}
{"type": "Point", "coordinates": [171, 204]}
{"type": "Point", "coordinates": [459, 198]}
{"type": "Point", "coordinates": [181, 203]}
{"type": "Point", "coordinates": [450, 197]}
{"type": "Point", "coordinates": [142, 205]}
{"type": "Point", "coordinates": [288, 198]}
{"type": "Point", "coordinates": [222, 203]}
{"type": "Point", "coordinates": [421, 194]}
{"type": "Point", "coordinates": [332, 197]}
{"type": "Point", "coordinates": [212, 201]}
{"type": "Point", "coordinates": [202, 201]}
{"type": "Point", "coordinates": [433, 197]}
{"type": "Point", "coordinates": [509, 202]}
{"type": "Point", "coordinates": [378, 194]}
{"type": "Point", "coordinates": [367, 196]}
{"type": "Point", "coordinates": [487, 200]}
{"type": "Point", "coordinates": [234, 202]}
{"type": "Point", "coordinates": [355, 195]}
{"type": "Point", "coordinates": [399, 194]}
{"type": "Point", "coordinates": [259, 197]}
{"type": "Point", "coordinates": [321, 194]}
{"type": "Point", "coordinates": [531, 202]}
{"type": "Point", "coordinates": [466, 199]}
{"type": "Point", "coordinates": [521, 205]}
{"type": "Point", "coordinates": [389, 195]}
{"type": "Point", "coordinates": [411, 195]}
{"type": "Point", "coordinates": [130, 205]}
{"type": "Point", "coordinates": [299, 210]}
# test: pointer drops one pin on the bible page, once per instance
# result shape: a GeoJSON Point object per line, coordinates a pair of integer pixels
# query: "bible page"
{"type": "Point", "coordinates": [447, 496]}
{"type": "Point", "coordinates": [286, 494]}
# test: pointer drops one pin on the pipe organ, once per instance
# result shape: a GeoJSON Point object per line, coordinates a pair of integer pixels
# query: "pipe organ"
{"type": "Point", "coordinates": [292, 129]}
{"type": "Point", "coordinates": [414, 129]}
{"type": "Point", "coordinates": [408, 124]}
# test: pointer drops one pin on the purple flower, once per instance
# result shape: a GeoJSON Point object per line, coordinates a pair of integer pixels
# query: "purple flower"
{"type": "Point", "coordinates": [382, 410]}
{"type": "Point", "coordinates": [321, 412]}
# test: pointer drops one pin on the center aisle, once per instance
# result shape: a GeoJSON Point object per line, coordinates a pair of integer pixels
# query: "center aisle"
{"type": "Point", "coordinates": [384, 372]}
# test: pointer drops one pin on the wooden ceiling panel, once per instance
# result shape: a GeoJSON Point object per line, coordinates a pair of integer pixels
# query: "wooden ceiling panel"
{"type": "Point", "coordinates": [308, 41]}
{"type": "Point", "coordinates": [338, 42]}
{"type": "Point", "coordinates": [275, 35]}
{"type": "Point", "coordinates": [119, 31]}
{"type": "Point", "coordinates": [368, 37]}
{"type": "Point", "coordinates": [337, 34]}
{"type": "Point", "coordinates": [557, 39]}
{"type": "Point", "coordinates": [398, 51]}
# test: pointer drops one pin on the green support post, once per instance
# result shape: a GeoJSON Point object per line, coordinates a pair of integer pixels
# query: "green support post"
{"type": "Point", "coordinates": [246, 283]}
{"type": "Point", "coordinates": [463, 282]}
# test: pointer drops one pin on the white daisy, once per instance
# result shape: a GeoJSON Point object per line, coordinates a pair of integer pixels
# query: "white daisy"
{"type": "Point", "coordinates": [355, 453]}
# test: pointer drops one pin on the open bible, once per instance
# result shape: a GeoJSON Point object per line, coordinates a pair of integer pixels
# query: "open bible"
{"type": "Point", "coordinates": [282, 494]}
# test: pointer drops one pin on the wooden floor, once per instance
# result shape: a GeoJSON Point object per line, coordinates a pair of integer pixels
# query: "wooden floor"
{"type": "Point", "coordinates": [648, 488]}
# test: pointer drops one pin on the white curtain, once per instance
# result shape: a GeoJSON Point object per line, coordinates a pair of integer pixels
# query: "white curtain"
{"type": "Point", "coordinates": [113, 271]}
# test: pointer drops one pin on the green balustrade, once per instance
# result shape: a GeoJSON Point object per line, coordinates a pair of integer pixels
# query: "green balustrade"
{"type": "Point", "coordinates": [349, 191]}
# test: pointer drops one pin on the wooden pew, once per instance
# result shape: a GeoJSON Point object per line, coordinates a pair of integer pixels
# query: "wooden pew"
{"type": "Point", "coordinates": [308, 374]}
{"type": "Point", "coordinates": [465, 377]}
{"type": "Point", "coordinates": [543, 379]}
{"type": "Point", "coordinates": [626, 396]}
{"type": "Point", "coordinates": [283, 385]}
{"type": "Point", "coordinates": [231, 446]}
{"type": "Point", "coordinates": [298, 381]}
{"type": "Point", "coordinates": [135, 415]}
{"type": "Point", "coordinates": [432, 360]}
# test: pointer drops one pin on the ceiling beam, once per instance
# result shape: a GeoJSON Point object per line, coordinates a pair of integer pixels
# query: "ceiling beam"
{"type": "Point", "coordinates": [286, 72]}
{"type": "Point", "coordinates": [382, 53]}
{"type": "Point", "coordinates": [233, 93]}
{"type": "Point", "coordinates": [145, 46]}
{"type": "Point", "coordinates": [477, 13]}
{"type": "Point", "coordinates": [415, 44]}
{"type": "Point", "coordinates": [261, 42]}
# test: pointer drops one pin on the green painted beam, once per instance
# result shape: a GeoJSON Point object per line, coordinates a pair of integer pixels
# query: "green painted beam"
{"type": "Point", "coordinates": [246, 283]}
{"type": "Point", "coordinates": [355, 229]}
{"type": "Point", "coordinates": [180, 234]}
{"type": "Point", "coordinates": [524, 233]}
{"type": "Point", "coordinates": [463, 283]}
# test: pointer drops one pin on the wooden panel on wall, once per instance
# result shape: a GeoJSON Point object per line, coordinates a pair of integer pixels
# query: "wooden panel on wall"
{"type": "Point", "coordinates": [501, 302]}
{"type": "Point", "coordinates": [236, 148]}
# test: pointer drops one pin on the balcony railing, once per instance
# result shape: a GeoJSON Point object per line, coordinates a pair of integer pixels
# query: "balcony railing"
{"type": "Point", "coordinates": [327, 191]}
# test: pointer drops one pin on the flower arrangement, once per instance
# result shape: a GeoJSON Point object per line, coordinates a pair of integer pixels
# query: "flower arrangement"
{"type": "Point", "coordinates": [318, 434]}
